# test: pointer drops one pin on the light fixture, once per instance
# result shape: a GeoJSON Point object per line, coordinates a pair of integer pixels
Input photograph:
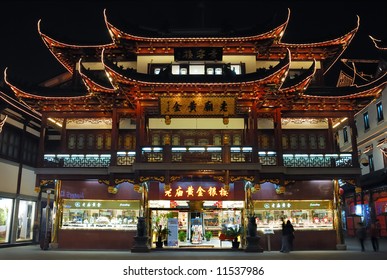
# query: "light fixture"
{"type": "Point", "coordinates": [167, 120]}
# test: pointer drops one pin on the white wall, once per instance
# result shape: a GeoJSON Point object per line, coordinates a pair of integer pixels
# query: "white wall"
{"type": "Point", "coordinates": [28, 182]}
{"type": "Point", "coordinates": [8, 175]}
{"type": "Point", "coordinates": [376, 132]}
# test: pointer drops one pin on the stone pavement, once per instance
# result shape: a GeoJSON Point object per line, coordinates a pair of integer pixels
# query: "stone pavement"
{"type": "Point", "coordinates": [353, 252]}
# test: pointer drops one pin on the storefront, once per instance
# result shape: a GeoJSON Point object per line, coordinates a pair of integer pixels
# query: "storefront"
{"type": "Point", "coordinates": [309, 207]}
{"type": "Point", "coordinates": [6, 206]}
{"type": "Point", "coordinates": [25, 221]}
{"type": "Point", "coordinates": [202, 209]}
{"type": "Point", "coordinates": [381, 212]}
{"type": "Point", "coordinates": [16, 220]}
{"type": "Point", "coordinates": [92, 217]}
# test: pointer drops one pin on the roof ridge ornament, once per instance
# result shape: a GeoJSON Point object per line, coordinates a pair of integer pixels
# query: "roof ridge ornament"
{"type": "Point", "coordinates": [377, 43]}
{"type": "Point", "coordinates": [2, 122]}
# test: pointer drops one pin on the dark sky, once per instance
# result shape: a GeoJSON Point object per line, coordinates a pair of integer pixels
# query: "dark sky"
{"type": "Point", "coordinates": [82, 22]}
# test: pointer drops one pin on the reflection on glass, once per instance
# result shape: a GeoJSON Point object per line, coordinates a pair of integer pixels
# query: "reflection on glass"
{"type": "Point", "coordinates": [25, 220]}
{"type": "Point", "coordinates": [302, 214]}
{"type": "Point", "coordinates": [100, 214]}
{"type": "Point", "coordinates": [5, 219]}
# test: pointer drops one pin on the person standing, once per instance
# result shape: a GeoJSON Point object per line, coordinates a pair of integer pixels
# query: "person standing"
{"type": "Point", "coordinates": [286, 231]}
{"type": "Point", "coordinates": [361, 233]}
{"type": "Point", "coordinates": [375, 234]}
{"type": "Point", "coordinates": [290, 230]}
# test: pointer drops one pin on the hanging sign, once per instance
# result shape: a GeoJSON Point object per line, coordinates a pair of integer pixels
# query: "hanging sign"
{"type": "Point", "coordinates": [197, 105]}
{"type": "Point", "coordinates": [198, 54]}
{"type": "Point", "coordinates": [100, 204]}
{"type": "Point", "coordinates": [197, 191]}
{"type": "Point", "coordinates": [292, 205]}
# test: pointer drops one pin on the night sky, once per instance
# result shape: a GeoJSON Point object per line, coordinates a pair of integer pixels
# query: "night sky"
{"type": "Point", "coordinates": [82, 22]}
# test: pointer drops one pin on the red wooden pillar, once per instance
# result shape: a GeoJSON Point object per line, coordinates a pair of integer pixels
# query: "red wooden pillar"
{"type": "Point", "coordinates": [114, 135]}
{"type": "Point", "coordinates": [254, 133]}
{"type": "Point", "coordinates": [355, 156]}
{"type": "Point", "coordinates": [140, 131]}
{"type": "Point", "coordinates": [278, 136]}
{"type": "Point", "coordinates": [42, 138]}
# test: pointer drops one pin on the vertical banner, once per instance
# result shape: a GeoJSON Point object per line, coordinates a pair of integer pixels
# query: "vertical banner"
{"type": "Point", "coordinates": [173, 229]}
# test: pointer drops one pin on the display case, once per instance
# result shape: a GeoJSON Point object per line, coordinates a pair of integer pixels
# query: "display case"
{"type": "Point", "coordinates": [303, 214]}
{"type": "Point", "coordinates": [218, 220]}
{"type": "Point", "coordinates": [100, 214]}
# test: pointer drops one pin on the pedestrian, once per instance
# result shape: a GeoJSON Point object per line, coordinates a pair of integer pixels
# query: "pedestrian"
{"type": "Point", "coordinates": [361, 233]}
{"type": "Point", "coordinates": [375, 234]}
{"type": "Point", "coordinates": [290, 230]}
{"type": "Point", "coordinates": [285, 244]}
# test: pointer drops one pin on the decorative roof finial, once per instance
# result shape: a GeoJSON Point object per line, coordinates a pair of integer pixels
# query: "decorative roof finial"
{"type": "Point", "coordinates": [2, 122]}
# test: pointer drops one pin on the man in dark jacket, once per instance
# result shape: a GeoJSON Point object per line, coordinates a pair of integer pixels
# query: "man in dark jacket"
{"type": "Point", "coordinates": [361, 233]}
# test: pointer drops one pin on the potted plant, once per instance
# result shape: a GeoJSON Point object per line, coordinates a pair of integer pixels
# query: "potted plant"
{"type": "Point", "coordinates": [182, 235]}
{"type": "Point", "coordinates": [234, 232]}
{"type": "Point", "coordinates": [161, 235]}
{"type": "Point", "coordinates": [208, 235]}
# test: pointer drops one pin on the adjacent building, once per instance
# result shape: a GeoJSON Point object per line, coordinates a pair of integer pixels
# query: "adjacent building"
{"type": "Point", "coordinates": [366, 199]}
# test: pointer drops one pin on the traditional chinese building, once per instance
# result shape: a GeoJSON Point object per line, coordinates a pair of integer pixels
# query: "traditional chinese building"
{"type": "Point", "coordinates": [195, 131]}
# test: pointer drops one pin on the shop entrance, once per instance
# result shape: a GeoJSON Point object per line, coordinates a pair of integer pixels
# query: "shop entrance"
{"type": "Point", "coordinates": [196, 228]}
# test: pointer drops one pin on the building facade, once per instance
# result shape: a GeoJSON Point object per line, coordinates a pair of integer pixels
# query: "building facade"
{"type": "Point", "coordinates": [19, 147]}
{"type": "Point", "coordinates": [196, 134]}
{"type": "Point", "coordinates": [366, 199]}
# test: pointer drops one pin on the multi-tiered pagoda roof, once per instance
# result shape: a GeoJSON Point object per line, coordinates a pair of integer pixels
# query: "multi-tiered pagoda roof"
{"type": "Point", "coordinates": [115, 86]}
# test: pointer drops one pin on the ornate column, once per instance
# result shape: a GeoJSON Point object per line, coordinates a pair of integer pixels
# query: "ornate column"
{"type": "Point", "coordinates": [337, 222]}
{"type": "Point", "coordinates": [252, 238]}
{"type": "Point", "coordinates": [141, 240]}
{"type": "Point", "coordinates": [56, 214]}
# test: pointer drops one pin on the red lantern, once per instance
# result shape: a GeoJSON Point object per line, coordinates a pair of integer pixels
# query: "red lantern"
{"type": "Point", "coordinates": [341, 191]}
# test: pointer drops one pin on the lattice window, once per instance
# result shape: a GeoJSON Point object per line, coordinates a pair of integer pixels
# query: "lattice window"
{"type": "Point", "coordinates": [72, 141]}
{"type": "Point", "coordinates": [99, 141]}
{"type": "Point", "coordinates": [90, 142]}
{"type": "Point", "coordinates": [237, 140]}
{"type": "Point", "coordinates": [176, 140]}
{"type": "Point", "coordinates": [217, 140]}
{"type": "Point", "coordinates": [302, 142]}
{"type": "Point", "coordinates": [285, 142]}
{"type": "Point", "coordinates": [322, 143]}
{"type": "Point", "coordinates": [312, 141]}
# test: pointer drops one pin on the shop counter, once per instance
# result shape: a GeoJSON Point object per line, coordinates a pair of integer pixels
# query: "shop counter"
{"type": "Point", "coordinates": [96, 239]}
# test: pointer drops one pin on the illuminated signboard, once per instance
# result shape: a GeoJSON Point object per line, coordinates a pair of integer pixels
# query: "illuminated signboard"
{"type": "Point", "coordinates": [100, 204]}
{"type": "Point", "coordinates": [198, 53]}
{"type": "Point", "coordinates": [197, 105]}
{"type": "Point", "coordinates": [192, 192]}
{"type": "Point", "coordinates": [292, 204]}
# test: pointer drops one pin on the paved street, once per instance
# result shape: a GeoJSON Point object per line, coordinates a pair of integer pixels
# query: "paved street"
{"type": "Point", "coordinates": [353, 252]}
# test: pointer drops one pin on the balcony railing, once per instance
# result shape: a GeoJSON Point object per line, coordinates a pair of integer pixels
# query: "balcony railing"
{"type": "Point", "coordinates": [77, 160]}
{"type": "Point", "coordinates": [241, 154]}
{"type": "Point", "coordinates": [126, 158]}
{"type": "Point", "coordinates": [317, 160]}
{"type": "Point", "coordinates": [212, 154]}
{"type": "Point", "coordinates": [197, 154]}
